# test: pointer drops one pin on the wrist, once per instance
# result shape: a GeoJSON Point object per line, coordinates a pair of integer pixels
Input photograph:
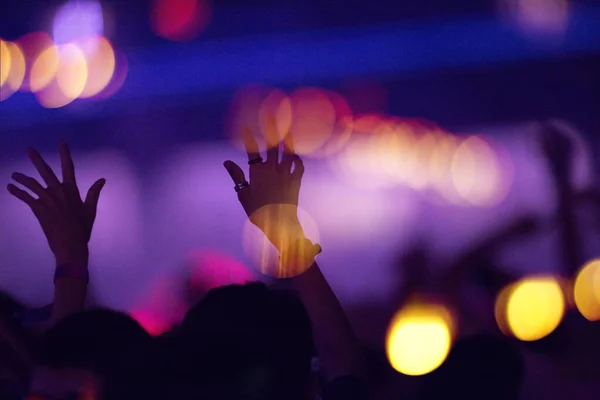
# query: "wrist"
{"type": "Point", "coordinates": [72, 272]}
{"type": "Point", "coordinates": [298, 257]}
{"type": "Point", "coordinates": [75, 259]}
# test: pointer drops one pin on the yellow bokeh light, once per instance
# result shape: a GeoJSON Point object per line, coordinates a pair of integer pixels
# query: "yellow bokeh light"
{"type": "Point", "coordinates": [263, 253]}
{"type": "Point", "coordinates": [44, 69]}
{"type": "Point", "coordinates": [531, 308]}
{"type": "Point", "coordinates": [72, 72]}
{"type": "Point", "coordinates": [100, 60]}
{"type": "Point", "coordinates": [587, 290]}
{"type": "Point", "coordinates": [5, 61]}
{"type": "Point", "coordinates": [419, 338]}
{"type": "Point", "coordinates": [16, 72]}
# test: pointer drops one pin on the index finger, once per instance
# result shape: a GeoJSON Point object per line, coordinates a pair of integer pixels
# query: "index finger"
{"type": "Point", "coordinates": [66, 162]}
{"type": "Point", "coordinates": [43, 168]}
{"type": "Point", "coordinates": [250, 144]}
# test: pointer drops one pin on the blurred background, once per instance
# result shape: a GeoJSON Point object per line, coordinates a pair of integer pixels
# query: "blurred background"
{"type": "Point", "coordinates": [419, 123]}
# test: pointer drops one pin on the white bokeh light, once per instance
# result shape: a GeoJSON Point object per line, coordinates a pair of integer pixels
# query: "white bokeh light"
{"type": "Point", "coordinates": [76, 19]}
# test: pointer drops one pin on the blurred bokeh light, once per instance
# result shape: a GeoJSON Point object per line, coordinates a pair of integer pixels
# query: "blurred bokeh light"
{"type": "Point", "coordinates": [4, 61]}
{"type": "Point", "coordinates": [70, 77]}
{"type": "Point", "coordinates": [13, 77]}
{"type": "Point", "coordinates": [212, 269]}
{"type": "Point", "coordinates": [72, 73]}
{"type": "Point", "coordinates": [76, 19]}
{"type": "Point", "coordinates": [100, 61]}
{"type": "Point", "coordinates": [85, 68]}
{"type": "Point", "coordinates": [313, 119]}
{"type": "Point", "coordinates": [587, 290]}
{"type": "Point", "coordinates": [33, 44]}
{"type": "Point", "coordinates": [180, 20]}
{"type": "Point", "coordinates": [44, 68]}
{"type": "Point", "coordinates": [538, 17]}
{"type": "Point", "coordinates": [478, 174]}
{"type": "Point", "coordinates": [419, 338]}
{"type": "Point", "coordinates": [531, 308]}
{"type": "Point", "coordinates": [261, 251]}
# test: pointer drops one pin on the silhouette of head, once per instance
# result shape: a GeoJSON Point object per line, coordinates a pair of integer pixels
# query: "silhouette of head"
{"type": "Point", "coordinates": [79, 352]}
{"type": "Point", "coordinates": [246, 341]}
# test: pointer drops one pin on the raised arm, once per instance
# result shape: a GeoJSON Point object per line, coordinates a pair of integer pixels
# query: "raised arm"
{"type": "Point", "coordinates": [67, 223]}
{"type": "Point", "coordinates": [270, 199]}
{"type": "Point", "coordinates": [558, 151]}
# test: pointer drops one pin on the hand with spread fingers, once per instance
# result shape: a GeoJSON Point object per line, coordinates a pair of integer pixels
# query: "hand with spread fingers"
{"type": "Point", "coordinates": [65, 219]}
{"type": "Point", "coordinates": [270, 197]}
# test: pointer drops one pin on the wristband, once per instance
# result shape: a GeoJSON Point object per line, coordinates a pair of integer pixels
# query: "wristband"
{"type": "Point", "coordinates": [69, 271]}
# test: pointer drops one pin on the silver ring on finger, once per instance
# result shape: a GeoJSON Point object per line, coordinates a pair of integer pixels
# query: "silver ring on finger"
{"type": "Point", "coordinates": [240, 186]}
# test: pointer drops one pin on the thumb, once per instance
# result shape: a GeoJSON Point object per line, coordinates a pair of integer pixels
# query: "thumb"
{"type": "Point", "coordinates": [234, 170]}
{"type": "Point", "coordinates": [91, 199]}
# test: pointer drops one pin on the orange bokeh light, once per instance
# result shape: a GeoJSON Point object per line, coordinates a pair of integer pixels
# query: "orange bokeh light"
{"type": "Point", "coordinates": [44, 69]}
{"type": "Point", "coordinates": [34, 44]}
{"type": "Point", "coordinates": [5, 61]}
{"type": "Point", "coordinates": [70, 78]}
{"type": "Point", "coordinates": [13, 79]}
{"type": "Point", "coordinates": [313, 119]}
{"type": "Point", "coordinates": [180, 20]}
{"type": "Point", "coordinates": [100, 60]}
{"type": "Point", "coordinates": [72, 73]}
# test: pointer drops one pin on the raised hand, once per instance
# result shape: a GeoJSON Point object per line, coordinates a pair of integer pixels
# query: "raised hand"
{"type": "Point", "coordinates": [65, 218]}
{"type": "Point", "coordinates": [270, 198]}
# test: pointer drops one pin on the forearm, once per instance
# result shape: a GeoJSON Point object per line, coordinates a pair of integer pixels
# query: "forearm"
{"type": "Point", "coordinates": [69, 298]}
{"type": "Point", "coordinates": [570, 244]}
{"type": "Point", "coordinates": [334, 338]}
{"type": "Point", "coordinates": [70, 289]}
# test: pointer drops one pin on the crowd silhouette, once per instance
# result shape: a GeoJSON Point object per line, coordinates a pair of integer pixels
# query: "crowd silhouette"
{"type": "Point", "coordinates": [287, 341]}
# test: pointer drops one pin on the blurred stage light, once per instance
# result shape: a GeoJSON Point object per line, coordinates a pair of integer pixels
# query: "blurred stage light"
{"type": "Point", "coordinates": [44, 69]}
{"type": "Point", "coordinates": [119, 76]}
{"type": "Point", "coordinates": [76, 19]}
{"type": "Point", "coordinates": [69, 80]}
{"type": "Point", "coordinates": [72, 73]}
{"type": "Point", "coordinates": [313, 119]}
{"type": "Point", "coordinates": [276, 106]}
{"type": "Point", "coordinates": [100, 61]}
{"type": "Point", "coordinates": [33, 44]}
{"type": "Point", "coordinates": [212, 269]}
{"type": "Point", "coordinates": [531, 308]}
{"type": "Point", "coordinates": [320, 121]}
{"type": "Point", "coordinates": [180, 20]}
{"type": "Point", "coordinates": [4, 62]}
{"type": "Point", "coordinates": [13, 78]}
{"type": "Point", "coordinates": [477, 173]}
{"type": "Point", "coordinates": [440, 168]}
{"type": "Point", "coordinates": [538, 17]}
{"type": "Point", "coordinates": [250, 110]}
{"type": "Point", "coordinates": [262, 252]}
{"type": "Point", "coordinates": [419, 338]}
{"type": "Point", "coordinates": [587, 290]}
{"type": "Point", "coordinates": [342, 130]}
{"type": "Point", "coordinates": [151, 321]}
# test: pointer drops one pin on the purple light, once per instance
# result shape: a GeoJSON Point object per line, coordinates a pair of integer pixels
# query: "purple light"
{"type": "Point", "coordinates": [76, 19]}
